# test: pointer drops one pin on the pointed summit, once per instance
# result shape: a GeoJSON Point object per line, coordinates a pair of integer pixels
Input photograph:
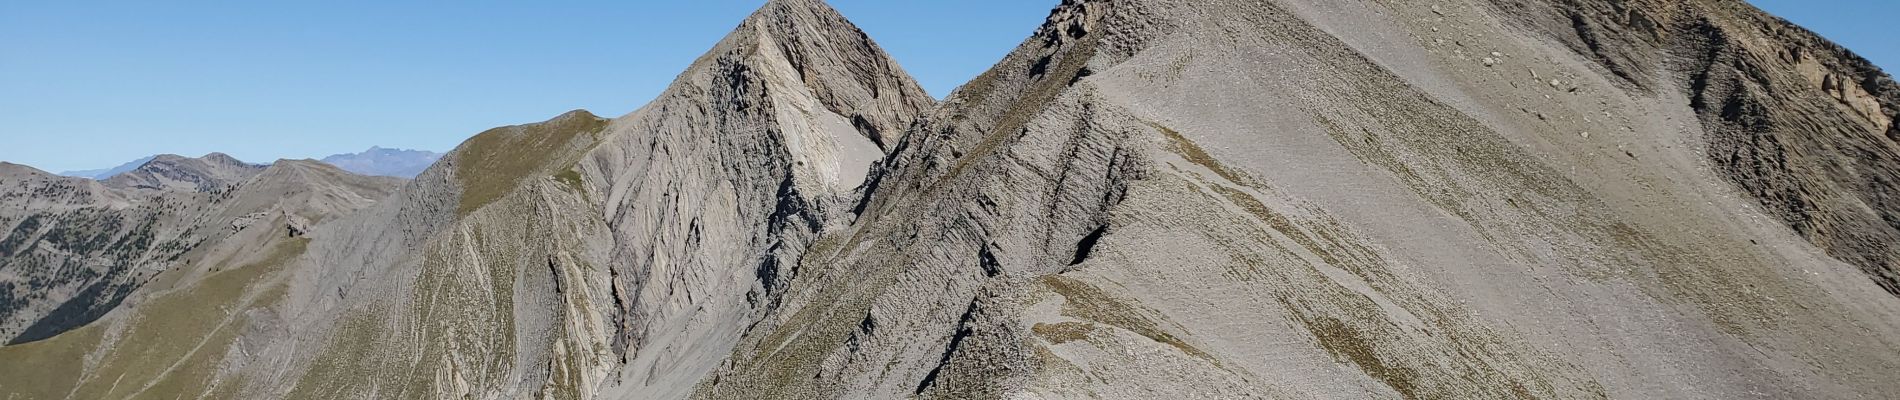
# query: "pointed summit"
{"type": "Point", "coordinates": [770, 135]}
{"type": "Point", "coordinates": [828, 55]}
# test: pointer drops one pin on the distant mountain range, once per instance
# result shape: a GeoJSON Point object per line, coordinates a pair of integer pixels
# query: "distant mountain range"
{"type": "Point", "coordinates": [379, 161]}
{"type": "Point", "coordinates": [102, 174]}
{"type": "Point", "coordinates": [376, 161]}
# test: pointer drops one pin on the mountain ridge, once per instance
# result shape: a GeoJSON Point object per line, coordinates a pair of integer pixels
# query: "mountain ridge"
{"type": "Point", "coordinates": [1179, 199]}
{"type": "Point", "coordinates": [70, 259]}
{"type": "Point", "coordinates": [376, 161]}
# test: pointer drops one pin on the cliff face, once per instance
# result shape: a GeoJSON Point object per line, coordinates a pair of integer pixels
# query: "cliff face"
{"type": "Point", "coordinates": [1147, 199]}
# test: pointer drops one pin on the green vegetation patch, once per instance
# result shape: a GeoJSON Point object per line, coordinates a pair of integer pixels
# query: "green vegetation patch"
{"type": "Point", "coordinates": [171, 345]}
{"type": "Point", "coordinates": [493, 163]}
{"type": "Point", "coordinates": [572, 179]}
{"type": "Point", "coordinates": [47, 369]}
{"type": "Point", "coordinates": [176, 341]}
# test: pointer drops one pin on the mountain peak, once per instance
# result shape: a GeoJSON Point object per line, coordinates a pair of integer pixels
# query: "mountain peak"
{"type": "Point", "coordinates": [166, 158]}
{"type": "Point", "coordinates": [827, 55]}
{"type": "Point", "coordinates": [581, 114]}
{"type": "Point", "coordinates": [174, 172]}
{"type": "Point", "coordinates": [221, 158]}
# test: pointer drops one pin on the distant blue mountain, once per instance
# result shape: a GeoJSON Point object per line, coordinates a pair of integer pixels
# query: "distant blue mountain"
{"type": "Point", "coordinates": [376, 161]}
{"type": "Point", "coordinates": [102, 174]}
{"type": "Point", "coordinates": [379, 161]}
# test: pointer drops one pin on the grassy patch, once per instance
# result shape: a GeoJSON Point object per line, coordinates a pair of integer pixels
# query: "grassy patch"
{"type": "Point", "coordinates": [176, 342]}
{"type": "Point", "coordinates": [493, 163]}
{"type": "Point", "coordinates": [1352, 345]}
{"type": "Point", "coordinates": [1187, 149]}
{"type": "Point", "coordinates": [172, 344]}
{"type": "Point", "coordinates": [572, 179]}
{"type": "Point", "coordinates": [1064, 332]}
{"type": "Point", "coordinates": [1091, 303]}
{"type": "Point", "coordinates": [47, 369]}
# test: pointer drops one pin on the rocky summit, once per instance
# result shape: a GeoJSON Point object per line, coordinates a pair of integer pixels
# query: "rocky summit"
{"type": "Point", "coordinates": [1209, 199]}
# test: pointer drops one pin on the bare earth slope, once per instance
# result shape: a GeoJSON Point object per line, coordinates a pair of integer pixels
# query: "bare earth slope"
{"type": "Point", "coordinates": [1228, 199]}
{"type": "Point", "coordinates": [1147, 199]}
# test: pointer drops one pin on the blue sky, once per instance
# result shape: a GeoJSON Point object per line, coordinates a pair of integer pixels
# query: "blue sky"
{"type": "Point", "coordinates": [96, 83]}
{"type": "Point", "coordinates": [91, 84]}
{"type": "Point", "coordinates": [1864, 26]}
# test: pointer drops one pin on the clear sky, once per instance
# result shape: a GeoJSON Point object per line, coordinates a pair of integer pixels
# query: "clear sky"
{"type": "Point", "coordinates": [1868, 27]}
{"type": "Point", "coordinates": [91, 84]}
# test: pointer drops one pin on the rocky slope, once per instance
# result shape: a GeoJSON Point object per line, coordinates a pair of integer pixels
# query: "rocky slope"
{"type": "Point", "coordinates": [1147, 199]}
{"type": "Point", "coordinates": [72, 249]}
{"type": "Point", "coordinates": [379, 161]}
{"type": "Point", "coordinates": [1233, 199]}
{"type": "Point", "coordinates": [1800, 124]}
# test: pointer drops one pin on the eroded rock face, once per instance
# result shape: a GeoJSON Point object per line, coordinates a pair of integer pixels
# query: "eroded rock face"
{"type": "Point", "coordinates": [1147, 199]}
